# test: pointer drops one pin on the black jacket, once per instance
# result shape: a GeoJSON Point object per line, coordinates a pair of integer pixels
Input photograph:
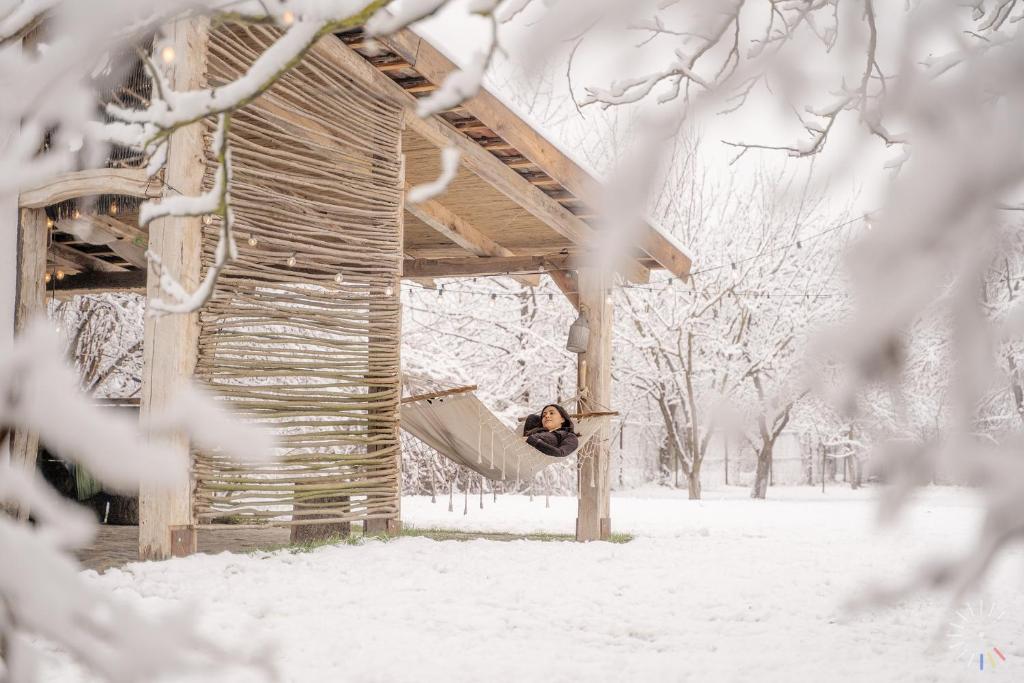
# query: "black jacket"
{"type": "Point", "coordinates": [558, 443]}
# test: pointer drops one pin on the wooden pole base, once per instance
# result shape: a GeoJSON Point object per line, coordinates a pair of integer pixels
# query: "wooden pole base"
{"type": "Point", "coordinates": [382, 527]}
{"type": "Point", "coordinates": [604, 532]}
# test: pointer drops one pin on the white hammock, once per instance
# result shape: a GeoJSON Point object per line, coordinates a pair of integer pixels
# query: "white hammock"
{"type": "Point", "coordinates": [462, 429]}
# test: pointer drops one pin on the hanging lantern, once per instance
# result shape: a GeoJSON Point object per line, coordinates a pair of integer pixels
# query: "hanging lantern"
{"type": "Point", "coordinates": [579, 333]}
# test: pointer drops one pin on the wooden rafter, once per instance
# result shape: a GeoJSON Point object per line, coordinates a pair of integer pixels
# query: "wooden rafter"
{"type": "Point", "coordinates": [82, 261]}
{"type": "Point", "coordinates": [429, 63]}
{"type": "Point", "coordinates": [463, 233]}
{"type": "Point", "coordinates": [480, 266]}
{"type": "Point", "coordinates": [474, 157]}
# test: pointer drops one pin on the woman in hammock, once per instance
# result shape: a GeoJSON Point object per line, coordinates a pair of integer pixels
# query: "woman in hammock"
{"type": "Point", "coordinates": [551, 432]}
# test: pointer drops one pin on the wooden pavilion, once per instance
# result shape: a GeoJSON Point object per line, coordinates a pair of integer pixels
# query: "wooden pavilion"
{"type": "Point", "coordinates": [304, 331]}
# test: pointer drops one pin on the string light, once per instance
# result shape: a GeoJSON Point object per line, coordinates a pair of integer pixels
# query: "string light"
{"type": "Point", "coordinates": [77, 214]}
{"type": "Point", "coordinates": [389, 290]}
{"type": "Point", "coordinates": [339, 278]}
{"type": "Point", "coordinates": [49, 222]}
{"type": "Point", "coordinates": [113, 209]}
{"type": "Point", "coordinates": [252, 240]}
{"type": "Point", "coordinates": [47, 278]}
{"type": "Point", "coordinates": [167, 54]}
{"type": "Point", "coordinates": [207, 219]}
{"type": "Point", "coordinates": [291, 261]}
{"type": "Point", "coordinates": [288, 17]}
{"type": "Point", "coordinates": [60, 274]}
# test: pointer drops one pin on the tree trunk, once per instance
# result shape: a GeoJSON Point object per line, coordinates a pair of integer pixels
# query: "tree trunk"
{"type": "Point", "coordinates": [764, 460]}
{"type": "Point", "coordinates": [855, 472]}
{"type": "Point", "coordinates": [693, 483]}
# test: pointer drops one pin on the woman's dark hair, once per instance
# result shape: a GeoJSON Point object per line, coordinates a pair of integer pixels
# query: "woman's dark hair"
{"type": "Point", "coordinates": [567, 425]}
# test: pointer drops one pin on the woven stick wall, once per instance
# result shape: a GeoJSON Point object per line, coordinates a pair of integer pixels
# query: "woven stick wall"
{"type": "Point", "coordinates": [303, 333]}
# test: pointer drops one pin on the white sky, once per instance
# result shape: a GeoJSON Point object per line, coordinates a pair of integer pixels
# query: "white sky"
{"type": "Point", "coordinates": [852, 162]}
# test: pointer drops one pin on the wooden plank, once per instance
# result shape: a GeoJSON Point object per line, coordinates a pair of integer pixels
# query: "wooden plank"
{"type": "Point", "coordinates": [463, 233]}
{"type": "Point", "coordinates": [30, 301]}
{"type": "Point", "coordinates": [93, 282]}
{"type": "Point", "coordinates": [563, 279]}
{"type": "Point", "coordinates": [83, 261]}
{"type": "Point", "coordinates": [435, 67]}
{"type": "Point", "coordinates": [171, 341]}
{"type": "Point", "coordinates": [593, 519]}
{"type": "Point", "coordinates": [125, 181]}
{"type": "Point", "coordinates": [482, 266]}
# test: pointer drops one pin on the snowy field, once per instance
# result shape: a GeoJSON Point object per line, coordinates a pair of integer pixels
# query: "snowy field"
{"type": "Point", "coordinates": [724, 589]}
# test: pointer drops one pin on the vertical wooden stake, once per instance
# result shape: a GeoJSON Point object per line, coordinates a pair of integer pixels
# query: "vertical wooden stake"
{"type": "Point", "coordinates": [30, 301]}
{"type": "Point", "coordinates": [392, 526]}
{"type": "Point", "coordinates": [171, 341]}
{"type": "Point", "coordinates": [593, 521]}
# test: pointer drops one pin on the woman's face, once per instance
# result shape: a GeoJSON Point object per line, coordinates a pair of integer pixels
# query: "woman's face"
{"type": "Point", "coordinates": [551, 419]}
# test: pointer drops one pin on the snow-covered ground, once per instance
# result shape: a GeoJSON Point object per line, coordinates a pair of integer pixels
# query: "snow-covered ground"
{"type": "Point", "coordinates": [723, 589]}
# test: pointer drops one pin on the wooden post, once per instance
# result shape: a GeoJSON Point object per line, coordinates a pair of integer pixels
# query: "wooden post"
{"type": "Point", "coordinates": [392, 525]}
{"type": "Point", "coordinates": [593, 520]}
{"type": "Point", "coordinates": [171, 341]}
{"type": "Point", "coordinates": [30, 301]}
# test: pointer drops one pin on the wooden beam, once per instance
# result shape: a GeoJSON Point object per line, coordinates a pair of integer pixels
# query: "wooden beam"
{"type": "Point", "coordinates": [481, 266]}
{"type": "Point", "coordinates": [435, 67]}
{"type": "Point", "coordinates": [442, 134]}
{"type": "Point", "coordinates": [30, 301]}
{"type": "Point", "coordinates": [83, 261]}
{"type": "Point", "coordinates": [463, 233]}
{"type": "Point", "coordinates": [391, 525]}
{"type": "Point", "coordinates": [92, 282]}
{"type": "Point", "coordinates": [125, 181]}
{"type": "Point", "coordinates": [477, 159]}
{"type": "Point", "coordinates": [125, 231]}
{"type": "Point", "coordinates": [170, 342]}
{"type": "Point", "coordinates": [593, 519]}
{"type": "Point", "coordinates": [565, 281]}
{"type": "Point", "coordinates": [126, 241]}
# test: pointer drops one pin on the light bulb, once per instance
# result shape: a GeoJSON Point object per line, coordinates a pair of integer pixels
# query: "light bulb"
{"type": "Point", "coordinates": [167, 54]}
{"type": "Point", "coordinates": [60, 274]}
{"type": "Point", "coordinates": [389, 291]}
{"type": "Point", "coordinates": [253, 241]}
{"type": "Point", "coordinates": [339, 278]}
{"type": "Point", "coordinates": [47, 278]}
{"type": "Point", "coordinates": [77, 214]}
{"type": "Point", "coordinates": [608, 299]}
{"type": "Point", "coordinates": [288, 17]}
{"type": "Point", "coordinates": [49, 222]}
{"type": "Point", "coordinates": [207, 219]}
{"type": "Point", "coordinates": [291, 261]}
{"type": "Point", "coordinates": [113, 208]}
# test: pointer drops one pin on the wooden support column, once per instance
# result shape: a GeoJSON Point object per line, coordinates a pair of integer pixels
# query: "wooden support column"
{"type": "Point", "coordinates": [171, 341]}
{"type": "Point", "coordinates": [593, 519]}
{"type": "Point", "coordinates": [30, 301]}
{"type": "Point", "coordinates": [392, 526]}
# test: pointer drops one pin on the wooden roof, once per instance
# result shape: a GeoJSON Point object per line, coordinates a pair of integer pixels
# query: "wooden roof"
{"type": "Point", "coordinates": [517, 205]}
